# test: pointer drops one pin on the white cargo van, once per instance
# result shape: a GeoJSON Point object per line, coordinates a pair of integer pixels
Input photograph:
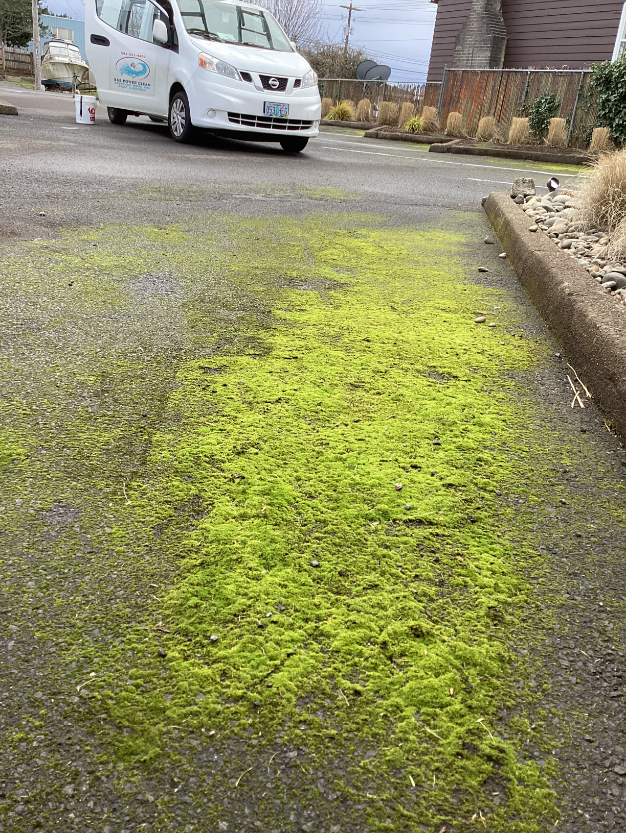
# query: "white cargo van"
{"type": "Point", "coordinates": [218, 64]}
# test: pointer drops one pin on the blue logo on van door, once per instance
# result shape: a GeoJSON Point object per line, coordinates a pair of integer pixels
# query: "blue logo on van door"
{"type": "Point", "coordinates": [133, 68]}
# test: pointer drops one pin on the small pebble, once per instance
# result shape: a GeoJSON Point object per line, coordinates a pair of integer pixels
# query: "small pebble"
{"type": "Point", "coordinates": [502, 254]}
{"type": "Point", "coordinates": [213, 638]}
{"type": "Point", "coordinates": [480, 319]}
{"type": "Point", "coordinates": [533, 228]}
{"type": "Point", "coordinates": [314, 562]}
{"type": "Point", "coordinates": [491, 324]}
{"type": "Point", "coordinates": [483, 269]}
{"type": "Point", "coordinates": [398, 487]}
{"type": "Point", "coordinates": [490, 239]}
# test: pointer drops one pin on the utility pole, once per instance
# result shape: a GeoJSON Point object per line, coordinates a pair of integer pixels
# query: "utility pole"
{"type": "Point", "coordinates": [350, 9]}
{"type": "Point", "coordinates": [36, 58]}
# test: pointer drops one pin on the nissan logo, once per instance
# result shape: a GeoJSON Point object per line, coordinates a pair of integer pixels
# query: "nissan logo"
{"type": "Point", "coordinates": [274, 83]}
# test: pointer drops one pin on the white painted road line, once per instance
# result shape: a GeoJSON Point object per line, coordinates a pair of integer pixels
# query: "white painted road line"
{"type": "Point", "coordinates": [496, 181]}
{"type": "Point", "coordinates": [444, 161]}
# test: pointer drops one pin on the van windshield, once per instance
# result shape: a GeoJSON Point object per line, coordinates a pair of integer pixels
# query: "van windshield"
{"type": "Point", "coordinates": [232, 23]}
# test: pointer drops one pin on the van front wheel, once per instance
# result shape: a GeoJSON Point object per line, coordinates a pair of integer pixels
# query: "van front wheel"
{"type": "Point", "coordinates": [117, 116]}
{"type": "Point", "coordinates": [294, 144]}
{"type": "Point", "coordinates": [179, 119]}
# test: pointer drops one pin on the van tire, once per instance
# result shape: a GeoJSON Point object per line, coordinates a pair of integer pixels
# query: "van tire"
{"type": "Point", "coordinates": [294, 144]}
{"type": "Point", "coordinates": [179, 119]}
{"type": "Point", "coordinates": [117, 116]}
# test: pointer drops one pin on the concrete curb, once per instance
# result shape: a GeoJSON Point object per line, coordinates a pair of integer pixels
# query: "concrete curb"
{"type": "Point", "coordinates": [355, 125]}
{"type": "Point", "coordinates": [7, 109]}
{"type": "Point", "coordinates": [505, 153]}
{"type": "Point", "coordinates": [415, 138]}
{"type": "Point", "coordinates": [589, 324]}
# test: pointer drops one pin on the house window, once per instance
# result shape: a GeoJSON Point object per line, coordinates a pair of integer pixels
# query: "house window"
{"type": "Point", "coordinates": [620, 43]}
{"type": "Point", "coordinates": [62, 34]}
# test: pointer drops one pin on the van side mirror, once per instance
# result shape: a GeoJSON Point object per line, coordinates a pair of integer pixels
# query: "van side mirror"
{"type": "Point", "coordinates": [159, 31]}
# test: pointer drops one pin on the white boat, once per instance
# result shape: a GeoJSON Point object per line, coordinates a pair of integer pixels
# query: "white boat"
{"type": "Point", "coordinates": [62, 65]}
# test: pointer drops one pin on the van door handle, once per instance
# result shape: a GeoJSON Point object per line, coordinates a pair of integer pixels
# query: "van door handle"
{"type": "Point", "coordinates": [100, 40]}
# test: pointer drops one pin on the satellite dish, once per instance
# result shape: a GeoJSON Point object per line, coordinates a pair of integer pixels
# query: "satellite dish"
{"type": "Point", "coordinates": [553, 184]}
{"type": "Point", "coordinates": [363, 68]}
{"type": "Point", "coordinates": [378, 73]}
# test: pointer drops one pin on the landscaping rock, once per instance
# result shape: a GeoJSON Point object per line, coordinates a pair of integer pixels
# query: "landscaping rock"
{"type": "Point", "coordinates": [617, 277]}
{"type": "Point", "coordinates": [523, 187]}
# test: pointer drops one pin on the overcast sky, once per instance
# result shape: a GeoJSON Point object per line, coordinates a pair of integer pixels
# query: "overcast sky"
{"type": "Point", "coordinates": [395, 32]}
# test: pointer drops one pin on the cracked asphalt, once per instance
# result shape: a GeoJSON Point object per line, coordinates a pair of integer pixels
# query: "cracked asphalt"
{"type": "Point", "coordinates": [54, 176]}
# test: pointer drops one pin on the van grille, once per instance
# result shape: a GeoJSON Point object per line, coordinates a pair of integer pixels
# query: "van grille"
{"type": "Point", "coordinates": [269, 123]}
{"type": "Point", "coordinates": [265, 81]}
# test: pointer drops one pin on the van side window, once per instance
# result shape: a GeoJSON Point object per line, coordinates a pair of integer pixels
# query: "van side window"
{"type": "Point", "coordinates": [131, 17]}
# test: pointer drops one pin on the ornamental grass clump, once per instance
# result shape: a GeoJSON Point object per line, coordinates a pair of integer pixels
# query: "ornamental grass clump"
{"type": "Point", "coordinates": [341, 112]}
{"type": "Point", "coordinates": [413, 125]}
{"type": "Point", "coordinates": [603, 192]}
{"type": "Point", "coordinates": [519, 134]}
{"type": "Point", "coordinates": [487, 129]}
{"type": "Point", "coordinates": [364, 110]}
{"type": "Point", "coordinates": [327, 106]}
{"type": "Point", "coordinates": [387, 113]}
{"type": "Point", "coordinates": [601, 141]}
{"type": "Point", "coordinates": [557, 133]}
{"type": "Point", "coordinates": [406, 113]}
{"type": "Point", "coordinates": [429, 119]}
{"type": "Point", "coordinates": [454, 125]}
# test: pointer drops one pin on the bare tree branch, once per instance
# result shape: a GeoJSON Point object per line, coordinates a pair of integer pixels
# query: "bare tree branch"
{"type": "Point", "coordinates": [301, 19]}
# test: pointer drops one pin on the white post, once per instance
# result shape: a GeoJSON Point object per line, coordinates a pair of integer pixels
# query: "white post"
{"type": "Point", "coordinates": [36, 56]}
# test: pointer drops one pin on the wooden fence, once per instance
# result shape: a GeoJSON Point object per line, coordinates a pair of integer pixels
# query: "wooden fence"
{"type": "Point", "coordinates": [16, 61]}
{"type": "Point", "coordinates": [501, 93]}
{"type": "Point", "coordinates": [508, 93]}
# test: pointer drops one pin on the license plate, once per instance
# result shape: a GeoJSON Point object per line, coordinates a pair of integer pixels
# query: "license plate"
{"type": "Point", "coordinates": [276, 111]}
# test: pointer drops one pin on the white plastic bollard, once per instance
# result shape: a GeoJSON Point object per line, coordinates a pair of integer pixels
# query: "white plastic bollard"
{"type": "Point", "coordinates": [85, 109]}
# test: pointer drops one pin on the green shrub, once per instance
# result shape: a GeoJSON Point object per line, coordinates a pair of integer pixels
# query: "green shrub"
{"type": "Point", "coordinates": [609, 81]}
{"type": "Point", "coordinates": [540, 113]}
{"type": "Point", "coordinates": [413, 125]}
{"type": "Point", "coordinates": [341, 112]}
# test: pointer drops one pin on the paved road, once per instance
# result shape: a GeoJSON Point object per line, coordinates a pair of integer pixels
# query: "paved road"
{"type": "Point", "coordinates": [91, 386]}
{"type": "Point", "coordinates": [44, 143]}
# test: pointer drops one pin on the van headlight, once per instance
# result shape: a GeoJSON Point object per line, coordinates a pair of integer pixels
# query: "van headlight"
{"type": "Point", "coordinates": [215, 65]}
{"type": "Point", "coordinates": [310, 79]}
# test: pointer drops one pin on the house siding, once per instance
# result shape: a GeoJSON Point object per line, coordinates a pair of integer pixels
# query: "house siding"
{"type": "Point", "coordinates": [572, 33]}
{"type": "Point", "coordinates": [451, 15]}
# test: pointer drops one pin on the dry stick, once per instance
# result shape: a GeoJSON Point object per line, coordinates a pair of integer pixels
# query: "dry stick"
{"type": "Point", "coordinates": [576, 394]}
{"type": "Point", "coordinates": [344, 696]}
{"type": "Point", "coordinates": [589, 396]}
{"type": "Point", "coordinates": [270, 761]}
{"type": "Point", "coordinates": [242, 774]}
{"type": "Point", "coordinates": [432, 733]}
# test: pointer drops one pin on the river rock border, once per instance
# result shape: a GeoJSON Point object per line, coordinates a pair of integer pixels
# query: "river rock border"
{"type": "Point", "coordinates": [589, 324]}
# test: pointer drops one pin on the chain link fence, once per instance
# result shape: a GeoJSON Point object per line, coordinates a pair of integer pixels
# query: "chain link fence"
{"type": "Point", "coordinates": [349, 89]}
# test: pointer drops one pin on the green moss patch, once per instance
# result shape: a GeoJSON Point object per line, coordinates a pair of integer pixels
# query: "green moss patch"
{"type": "Point", "coordinates": [326, 476]}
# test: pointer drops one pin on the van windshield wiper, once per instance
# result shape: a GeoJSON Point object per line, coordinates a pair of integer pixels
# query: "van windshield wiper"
{"type": "Point", "coordinates": [204, 34]}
